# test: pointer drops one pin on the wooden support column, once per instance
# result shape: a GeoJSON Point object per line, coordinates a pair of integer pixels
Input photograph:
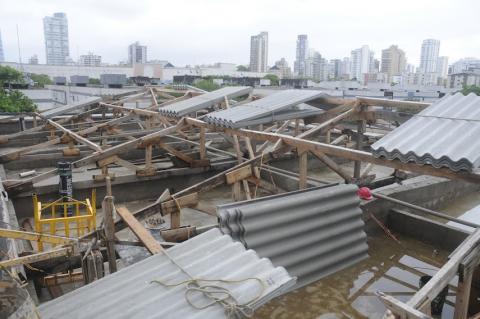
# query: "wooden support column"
{"type": "Point", "coordinates": [203, 150]}
{"type": "Point", "coordinates": [297, 127]}
{"type": "Point", "coordinates": [302, 167]}
{"type": "Point", "coordinates": [463, 294]}
{"type": "Point", "coordinates": [358, 164]}
{"type": "Point", "coordinates": [109, 228]}
{"type": "Point", "coordinates": [328, 137]}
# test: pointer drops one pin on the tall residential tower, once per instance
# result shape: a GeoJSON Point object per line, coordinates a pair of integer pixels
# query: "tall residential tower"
{"type": "Point", "coordinates": [259, 52]}
{"type": "Point", "coordinates": [362, 62]}
{"type": "Point", "coordinates": [302, 54]}
{"type": "Point", "coordinates": [55, 30]}
{"type": "Point", "coordinates": [137, 53]}
{"type": "Point", "coordinates": [393, 61]}
{"type": "Point", "coordinates": [429, 56]}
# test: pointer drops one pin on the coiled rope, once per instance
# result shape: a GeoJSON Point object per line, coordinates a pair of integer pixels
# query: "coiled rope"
{"type": "Point", "coordinates": [216, 293]}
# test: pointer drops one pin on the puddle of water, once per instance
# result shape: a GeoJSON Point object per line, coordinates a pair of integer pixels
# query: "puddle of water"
{"type": "Point", "coordinates": [350, 293]}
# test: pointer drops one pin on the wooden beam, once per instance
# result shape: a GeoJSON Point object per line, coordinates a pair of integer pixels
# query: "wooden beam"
{"type": "Point", "coordinates": [36, 257]}
{"type": "Point", "coordinates": [392, 103]}
{"type": "Point", "coordinates": [31, 236]}
{"type": "Point", "coordinates": [400, 309]}
{"type": "Point", "coordinates": [172, 206]}
{"type": "Point", "coordinates": [327, 124]}
{"type": "Point", "coordinates": [178, 154]}
{"type": "Point", "coordinates": [75, 136]}
{"type": "Point", "coordinates": [109, 228]}
{"type": "Point", "coordinates": [302, 168]}
{"type": "Point", "coordinates": [152, 245]}
{"type": "Point", "coordinates": [203, 151]}
{"type": "Point", "coordinates": [442, 278]}
{"type": "Point", "coordinates": [238, 174]}
{"type": "Point", "coordinates": [332, 165]}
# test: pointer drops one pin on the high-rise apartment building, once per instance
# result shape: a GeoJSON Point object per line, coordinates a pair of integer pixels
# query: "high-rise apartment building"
{"type": "Point", "coordinates": [465, 64]}
{"type": "Point", "coordinates": [442, 67]}
{"type": "Point", "coordinates": [284, 68]}
{"type": "Point", "coordinates": [393, 62]}
{"type": "Point", "coordinates": [301, 55]}
{"type": "Point", "coordinates": [137, 53]}
{"type": "Point", "coordinates": [90, 59]}
{"type": "Point", "coordinates": [55, 30]}
{"type": "Point", "coordinates": [2, 56]}
{"type": "Point", "coordinates": [259, 52]}
{"type": "Point", "coordinates": [362, 62]}
{"type": "Point", "coordinates": [429, 56]}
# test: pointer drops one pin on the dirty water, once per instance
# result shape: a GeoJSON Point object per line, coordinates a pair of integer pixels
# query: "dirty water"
{"type": "Point", "coordinates": [350, 293]}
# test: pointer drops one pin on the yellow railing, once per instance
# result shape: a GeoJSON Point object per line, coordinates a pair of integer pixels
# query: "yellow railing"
{"type": "Point", "coordinates": [53, 218]}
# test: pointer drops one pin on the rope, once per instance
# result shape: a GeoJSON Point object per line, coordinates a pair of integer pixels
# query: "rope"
{"type": "Point", "coordinates": [216, 293]}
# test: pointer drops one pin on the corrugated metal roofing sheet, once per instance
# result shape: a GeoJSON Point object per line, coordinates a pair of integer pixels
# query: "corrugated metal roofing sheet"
{"type": "Point", "coordinates": [268, 107]}
{"type": "Point", "coordinates": [312, 233]}
{"type": "Point", "coordinates": [129, 292]}
{"type": "Point", "coordinates": [445, 134]}
{"type": "Point", "coordinates": [200, 102]}
{"type": "Point", "coordinates": [71, 107]}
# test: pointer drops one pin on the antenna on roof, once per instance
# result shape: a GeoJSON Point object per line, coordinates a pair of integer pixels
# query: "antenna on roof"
{"type": "Point", "coordinates": [19, 51]}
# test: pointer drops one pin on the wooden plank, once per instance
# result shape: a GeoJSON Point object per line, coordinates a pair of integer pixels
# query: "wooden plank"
{"type": "Point", "coordinates": [109, 228]}
{"type": "Point", "coordinates": [75, 136]}
{"type": "Point", "coordinates": [238, 174]}
{"type": "Point", "coordinates": [302, 168]}
{"type": "Point", "coordinates": [332, 165]}
{"type": "Point", "coordinates": [462, 297]}
{"type": "Point", "coordinates": [327, 124]}
{"type": "Point", "coordinates": [126, 164]}
{"type": "Point", "coordinates": [203, 151]}
{"type": "Point", "coordinates": [36, 257]}
{"type": "Point", "coordinates": [392, 103]}
{"type": "Point", "coordinates": [435, 285]}
{"type": "Point", "coordinates": [178, 154]}
{"type": "Point", "coordinates": [171, 206]}
{"type": "Point", "coordinates": [400, 309]}
{"type": "Point", "coordinates": [152, 245]}
{"type": "Point", "coordinates": [32, 236]}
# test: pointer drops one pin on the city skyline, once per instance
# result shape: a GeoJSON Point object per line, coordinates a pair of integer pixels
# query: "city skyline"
{"type": "Point", "coordinates": [333, 39]}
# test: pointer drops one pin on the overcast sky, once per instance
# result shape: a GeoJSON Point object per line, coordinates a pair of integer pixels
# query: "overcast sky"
{"type": "Point", "coordinates": [207, 31]}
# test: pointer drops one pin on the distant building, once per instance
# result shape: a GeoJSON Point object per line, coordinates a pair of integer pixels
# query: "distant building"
{"type": "Point", "coordinates": [466, 78]}
{"type": "Point", "coordinates": [259, 52]}
{"type": "Point", "coordinates": [90, 59]}
{"type": "Point", "coordinates": [362, 62]}
{"type": "Point", "coordinates": [283, 69]}
{"type": "Point", "coordinates": [393, 62]}
{"type": "Point", "coordinates": [301, 55]}
{"type": "Point", "coordinates": [337, 68]}
{"type": "Point", "coordinates": [2, 56]}
{"type": "Point", "coordinates": [55, 31]}
{"type": "Point", "coordinates": [465, 64]}
{"type": "Point", "coordinates": [442, 67]}
{"type": "Point", "coordinates": [346, 69]}
{"type": "Point", "coordinates": [33, 59]}
{"type": "Point", "coordinates": [137, 53]}
{"type": "Point", "coordinates": [429, 56]}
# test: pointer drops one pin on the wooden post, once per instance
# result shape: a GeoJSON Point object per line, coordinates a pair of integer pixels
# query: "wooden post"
{"type": "Point", "coordinates": [463, 293]}
{"type": "Point", "coordinates": [109, 228]}
{"type": "Point", "coordinates": [328, 137]}
{"type": "Point", "coordinates": [203, 151]}
{"type": "Point", "coordinates": [302, 168]}
{"type": "Point", "coordinates": [297, 127]}
{"type": "Point", "coordinates": [358, 164]}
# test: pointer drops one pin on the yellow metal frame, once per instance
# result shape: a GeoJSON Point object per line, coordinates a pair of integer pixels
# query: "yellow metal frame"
{"type": "Point", "coordinates": [51, 214]}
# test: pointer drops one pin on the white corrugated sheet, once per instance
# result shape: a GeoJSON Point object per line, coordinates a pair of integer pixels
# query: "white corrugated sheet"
{"type": "Point", "coordinates": [129, 292]}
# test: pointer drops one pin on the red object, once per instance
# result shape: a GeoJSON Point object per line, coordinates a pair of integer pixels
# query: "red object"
{"type": "Point", "coordinates": [365, 193]}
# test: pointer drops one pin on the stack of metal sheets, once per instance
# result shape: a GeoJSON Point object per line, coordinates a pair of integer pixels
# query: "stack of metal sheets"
{"type": "Point", "coordinates": [312, 233]}
{"type": "Point", "coordinates": [284, 105]}
{"type": "Point", "coordinates": [200, 102]}
{"type": "Point", "coordinates": [130, 293]}
{"type": "Point", "coordinates": [70, 108]}
{"type": "Point", "coordinates": [445, 134]}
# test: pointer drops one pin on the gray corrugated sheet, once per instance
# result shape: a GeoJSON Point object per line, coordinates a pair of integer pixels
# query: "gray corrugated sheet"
{"type": "Point", "coordinates": [312, 233]}
{"type": "Point", "coordinates": [266, 107]}
{"type": "Point", "coordinates": [445, 134]}
{"type": "Point", "coordinates": [71, 107]}
{"type": "Point", "coordinates": [200, 102]}
{"type": "Point", "coordinates": [129, 292]}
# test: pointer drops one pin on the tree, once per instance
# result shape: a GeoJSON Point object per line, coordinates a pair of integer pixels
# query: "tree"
{"type": "Point", "coordinates": [206, 85]}
{"type": "Point", "coordinates": [40, 79]}
{"type": "Point", "coordinates": [273, 79]}
{"type": "Point", "coordinates": [9, 75]}
{"type": "Point", "coordinates": [242, 68]}
{"type": "Point", "coordinates": [12, 100]}
{"type": "Point", "coordinates": [94, 81]}
{"type": "Point", "coordinates": [467, 89]}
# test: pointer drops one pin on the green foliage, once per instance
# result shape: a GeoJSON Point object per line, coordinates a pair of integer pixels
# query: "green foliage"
{"type": "Point", "coordinates": [40, 79]}
{"type": "Point", "coordinates": [10, 75]}
{"type": "Point", "coordinates": [242, 68]}
{"type": "Point", "coordinates": [94, 81]}
{"type": "Point", "coordinates": [15, 101]}
{"type": "Point", "coordinates": [273, 79]}
{"type": "Point", "coordinates": [467, 89]}
{"type": "Point", "coordinates": [207, 85]}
